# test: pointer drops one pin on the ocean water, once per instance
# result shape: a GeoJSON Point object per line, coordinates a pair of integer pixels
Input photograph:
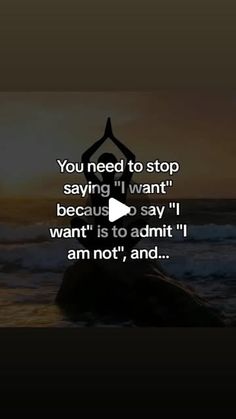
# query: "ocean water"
{"type": "Point", "coordinates": [32, 265]}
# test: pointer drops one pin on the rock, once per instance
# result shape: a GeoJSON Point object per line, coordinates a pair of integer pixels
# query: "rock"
{"type": "Point", "coordinates": [137, 291]}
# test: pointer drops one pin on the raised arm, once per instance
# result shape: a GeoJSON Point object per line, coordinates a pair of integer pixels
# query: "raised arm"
{"type": "Point", "coordinates": [127, 153]}
{"type": "Point", "coordinates": [109, 133]}
{"type": "Point", "coordinates": [127, 175]}
{"type": "Point", "coordinates": [86, 156]}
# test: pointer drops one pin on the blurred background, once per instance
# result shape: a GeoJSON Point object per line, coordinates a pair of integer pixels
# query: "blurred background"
{"type": "Point", "coordinates": [196, 127]}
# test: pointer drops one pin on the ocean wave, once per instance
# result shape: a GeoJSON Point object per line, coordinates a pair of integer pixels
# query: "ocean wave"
{"type": "Point", "coordinates": [38, 257]}
{"type": "Point", "coordinates": [39, 232]}
{"type": "Point", "coordinates": [208, 233]}
{"type": "Point", "coordinates": [186, 259]}
{"type": "Point", "coordinates": [14, 233]}
{"type": "Point", "coordinates": [209, 250]}
{"type": "Point", "coordinates": [222, 267]}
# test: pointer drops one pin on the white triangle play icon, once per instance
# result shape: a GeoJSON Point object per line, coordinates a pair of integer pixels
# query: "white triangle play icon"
{"type": "Point", "coordinates": [117, 210]}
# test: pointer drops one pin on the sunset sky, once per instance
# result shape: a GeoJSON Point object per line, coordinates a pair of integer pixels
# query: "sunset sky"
{"type": "Point", "coordinates": [196, 128]}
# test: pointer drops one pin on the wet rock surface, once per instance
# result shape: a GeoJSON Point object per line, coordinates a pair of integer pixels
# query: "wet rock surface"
{"type": "Point", "coordinates": [137, 292]}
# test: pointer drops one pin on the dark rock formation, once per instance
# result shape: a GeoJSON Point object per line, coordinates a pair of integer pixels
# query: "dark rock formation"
{"type": "Point", "coordinates": [138, 291]}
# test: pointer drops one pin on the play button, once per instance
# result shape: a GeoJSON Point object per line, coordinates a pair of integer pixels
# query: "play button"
{"type": "Point", "coordinates": [117, 210]}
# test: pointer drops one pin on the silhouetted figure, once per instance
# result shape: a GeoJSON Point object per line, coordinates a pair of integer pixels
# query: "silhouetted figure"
{"type": "Point", "coordinates": [108, 178]}
{"type": "Point", "coordinates": [138, 292]}
{"type": "Point", "coordinates": [97, 200]}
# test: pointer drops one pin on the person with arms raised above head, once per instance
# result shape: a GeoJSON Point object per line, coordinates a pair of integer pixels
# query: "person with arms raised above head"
{"type": "Point", "coordinates": [108, 178]}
